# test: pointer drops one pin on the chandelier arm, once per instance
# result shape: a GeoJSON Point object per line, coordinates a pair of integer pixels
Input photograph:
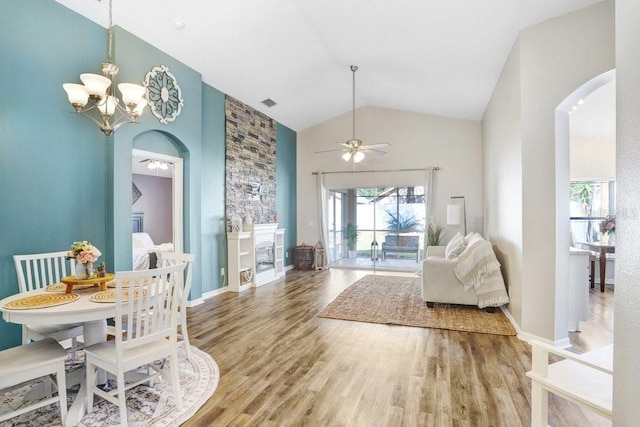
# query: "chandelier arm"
{"type": "Point", "coordinates": [85, 113]}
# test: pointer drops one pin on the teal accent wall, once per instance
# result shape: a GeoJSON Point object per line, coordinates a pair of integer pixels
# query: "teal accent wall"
{"type": "Point", "coordinates": [52, 163]}
{"type": "Point", "coordinates": [62, 180]}
{"type": "Point", "coordinates": [286, 186]}
{"type": "Point", "coordinates": [214, 238]}
{"type": "Point", "coordinates": [135, 58]}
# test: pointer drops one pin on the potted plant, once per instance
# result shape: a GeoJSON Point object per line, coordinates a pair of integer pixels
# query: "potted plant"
{"type": "Point", "coordinates": [435, 233]}
{"type": "Point", "coordinates": [351, 235]}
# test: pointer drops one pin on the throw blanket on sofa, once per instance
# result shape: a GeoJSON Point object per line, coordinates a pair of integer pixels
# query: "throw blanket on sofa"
{"type": "Point", "coordinates": [478, 267]}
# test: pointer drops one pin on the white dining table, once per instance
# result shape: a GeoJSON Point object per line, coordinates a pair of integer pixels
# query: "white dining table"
{"type": "Point", "coordinates": [93, 317]}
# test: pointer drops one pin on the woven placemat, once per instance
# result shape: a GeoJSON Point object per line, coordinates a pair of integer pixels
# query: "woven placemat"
{"type": "Point", "coordinates": [110, 296]}
{"type": "Point", "coordinates": [41, 301]}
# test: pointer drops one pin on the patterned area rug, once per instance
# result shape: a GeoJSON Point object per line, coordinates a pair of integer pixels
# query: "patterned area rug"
{"type": "Point", "coordinates": [398, 301]}
{"type": "Point", "coordinates": [146, 406]}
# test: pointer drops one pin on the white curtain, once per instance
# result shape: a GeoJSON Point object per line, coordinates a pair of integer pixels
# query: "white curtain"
{"type": "Point", "coordinates": [428, 205]}
{"type": "Point", "coordinates": [321, 191]}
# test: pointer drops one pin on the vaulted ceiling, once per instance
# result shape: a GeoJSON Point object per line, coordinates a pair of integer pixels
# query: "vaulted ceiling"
{"type": "Point", "coordinates": [439, 57]}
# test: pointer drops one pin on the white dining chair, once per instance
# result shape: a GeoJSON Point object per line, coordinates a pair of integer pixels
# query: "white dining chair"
{"type": "Point", "coordinates": [172, 258]}
{"type": "Point", "coordinates": [37, 271]}
{"type": "Point", "coordinates": [33, 361]}
{"type": "Point", "coordinates": [151, 338]}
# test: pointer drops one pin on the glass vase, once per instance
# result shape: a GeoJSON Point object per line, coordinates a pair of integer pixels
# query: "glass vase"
{"type": "Point", "coordinates": [90, 270]}
{"type": "Point", "coordinates": [81, 272]}
{"type": "Point", "coordinates": [85, 271]}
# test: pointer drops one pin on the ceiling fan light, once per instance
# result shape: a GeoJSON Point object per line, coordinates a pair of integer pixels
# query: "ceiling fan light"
{"type": "Point", "coordinates": [346, 156]}
{"type": "Point", "coordinates": [358, 156]}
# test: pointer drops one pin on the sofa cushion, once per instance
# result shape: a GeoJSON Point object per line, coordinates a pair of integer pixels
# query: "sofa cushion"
{"type": "Point", "coordinates": [454, 247]}
{"type": "Point", "coordinates": [472, 235]}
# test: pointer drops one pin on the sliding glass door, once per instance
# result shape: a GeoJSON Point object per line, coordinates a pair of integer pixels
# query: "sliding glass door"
{"type": "Point", "coordinates": [389, 223]}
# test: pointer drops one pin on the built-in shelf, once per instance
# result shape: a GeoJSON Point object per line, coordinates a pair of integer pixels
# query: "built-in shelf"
{"type": "Point", "coordinates": [242, 256]}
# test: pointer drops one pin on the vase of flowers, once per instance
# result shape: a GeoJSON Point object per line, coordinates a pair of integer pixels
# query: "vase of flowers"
{"type": "Point", "coordinates": [608, 228]}
{"type": "Point", "coordinates": [85, 255]}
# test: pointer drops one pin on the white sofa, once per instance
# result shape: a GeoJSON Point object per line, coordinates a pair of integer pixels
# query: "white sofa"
{"type": "Point", "coordinates": [439, 282]}
{"type": "Point", "coordinates": [466, 272]}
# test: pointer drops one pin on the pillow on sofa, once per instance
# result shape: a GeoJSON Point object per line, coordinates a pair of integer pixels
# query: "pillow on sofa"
{"type": "Point", "coordinates": [455, 247]}
{"type": "Point", "coordinates": [472, 235]}
{"type": "Point", "coordinates": [469, 240]}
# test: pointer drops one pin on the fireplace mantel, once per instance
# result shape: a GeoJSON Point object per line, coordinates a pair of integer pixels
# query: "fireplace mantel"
{"type": "Point", "coordinates": [245, 269]}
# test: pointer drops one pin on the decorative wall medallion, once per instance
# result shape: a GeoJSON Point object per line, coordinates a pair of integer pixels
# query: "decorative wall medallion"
{"type": "Point", "coordinates": [164, 94]}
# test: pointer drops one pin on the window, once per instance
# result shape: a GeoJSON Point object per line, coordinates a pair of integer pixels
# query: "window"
{"type": "Point", "coordinates": [590, 202]}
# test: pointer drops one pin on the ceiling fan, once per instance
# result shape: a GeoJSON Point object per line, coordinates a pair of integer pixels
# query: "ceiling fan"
{"type": "Point", "coordinates": [156, 164]}
{"type": "Point", "coordinates": [353, 148]}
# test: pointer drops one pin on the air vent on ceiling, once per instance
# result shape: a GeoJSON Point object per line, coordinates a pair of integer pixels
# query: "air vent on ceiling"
{"type": "Point", "coordinates": [269, 102]}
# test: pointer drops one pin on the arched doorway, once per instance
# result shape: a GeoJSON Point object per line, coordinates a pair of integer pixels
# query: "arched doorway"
{"type": "Point", "coordinates": [157, 162]}
{"type": "Point", "coordinates": [563, 131]}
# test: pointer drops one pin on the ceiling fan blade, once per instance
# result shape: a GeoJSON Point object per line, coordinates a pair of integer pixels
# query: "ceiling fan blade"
{"type": "Point", "coordinates": [344, 144]}
{"type": "Point", "coordinates": [145, 160]}
{"type": "Point", "coordinates": [381, 145]}
{"type": "Point", "coordinates": [330, 151]}
{"type": "Point", "coordinates": [377, 152]}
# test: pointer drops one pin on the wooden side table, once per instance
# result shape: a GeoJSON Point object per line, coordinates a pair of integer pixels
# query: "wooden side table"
{"type": "Point", "coordinates": [71, 281]}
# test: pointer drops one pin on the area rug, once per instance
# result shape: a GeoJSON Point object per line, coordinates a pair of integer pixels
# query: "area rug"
{"type": "Point", "coordinates": [146, 406]}
{"type": "Point", "coordinates": [398, 301]}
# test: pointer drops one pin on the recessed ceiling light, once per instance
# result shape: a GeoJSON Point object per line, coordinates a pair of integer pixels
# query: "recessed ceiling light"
{"type": "Point", "coordinates": [179, 24]}
{"type": "Point", "coordinates": [269, 102]}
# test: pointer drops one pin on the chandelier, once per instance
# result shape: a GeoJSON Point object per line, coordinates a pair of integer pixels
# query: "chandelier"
{"type": "Point", "coordinates": [98, 91]}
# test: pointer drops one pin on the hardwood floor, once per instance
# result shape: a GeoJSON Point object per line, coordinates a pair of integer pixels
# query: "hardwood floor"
{"type": "Point", "coordinates": [280, 364]}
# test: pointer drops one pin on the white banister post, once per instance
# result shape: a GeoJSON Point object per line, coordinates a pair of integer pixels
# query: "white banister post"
{"type": "Point", "coordinates": [539, 395]}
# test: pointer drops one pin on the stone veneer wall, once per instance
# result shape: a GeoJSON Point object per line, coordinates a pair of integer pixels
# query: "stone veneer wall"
{"type": "Point", "coordinates": [251, 158]}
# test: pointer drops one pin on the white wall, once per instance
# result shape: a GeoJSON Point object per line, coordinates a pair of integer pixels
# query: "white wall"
{"type": "Point", "coordinates": [626, 410]}
{"type": "Point", "coordinates": [417, 141]}
{"type": "Point", "coordinates": [592, 158]}
{"type": "Point", "coordinates": [502, 151]}
{"type": "Point", "coordinates": [555, 58]}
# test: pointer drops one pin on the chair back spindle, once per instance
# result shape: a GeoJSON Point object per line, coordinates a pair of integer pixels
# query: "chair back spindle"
{"type": "Point", "coordinates": [37, 271]}
{"type": "Point", "coordinates": [153, 299]}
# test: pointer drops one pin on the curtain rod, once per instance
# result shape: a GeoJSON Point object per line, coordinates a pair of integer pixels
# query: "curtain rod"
{"type": "Point", "coordinates": [435, 168]}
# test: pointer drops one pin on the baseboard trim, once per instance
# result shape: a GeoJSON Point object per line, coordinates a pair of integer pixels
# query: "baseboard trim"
{"type": "Point", "coordinates": [527, 337]}
{"type": "Point", "coordinates": [207, 295]}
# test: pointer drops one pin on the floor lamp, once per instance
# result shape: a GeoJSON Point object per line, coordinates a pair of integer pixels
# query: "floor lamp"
{"type": "Point", "coordinates": [456, 213]}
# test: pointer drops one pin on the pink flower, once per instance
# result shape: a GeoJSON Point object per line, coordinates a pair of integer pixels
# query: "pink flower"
{"type": "Point", "coordinates": [84, 252]}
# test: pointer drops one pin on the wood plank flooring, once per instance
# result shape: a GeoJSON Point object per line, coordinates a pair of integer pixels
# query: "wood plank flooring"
{"type": "Point", "coordinates": [281, 365]}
